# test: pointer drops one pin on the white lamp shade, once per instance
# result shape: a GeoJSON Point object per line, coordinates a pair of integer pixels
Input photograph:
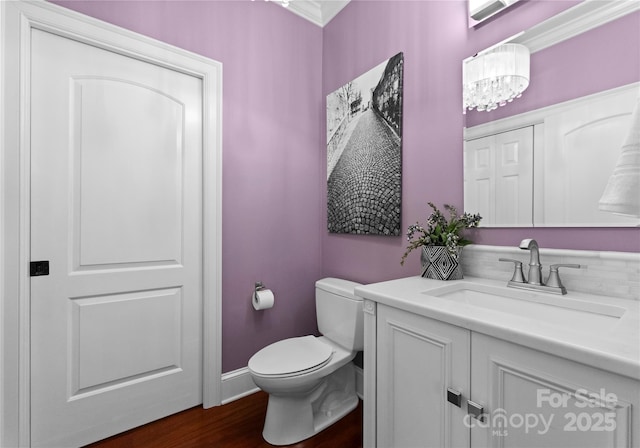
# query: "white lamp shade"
{"type": "Point", "coordinates": [495, 77]}
{"type": "Point", "coordinates": [622, 193]}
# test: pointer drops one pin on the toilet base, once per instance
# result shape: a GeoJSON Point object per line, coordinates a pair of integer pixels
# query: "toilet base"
{"type": "Point", "coordinates": [295, 417]}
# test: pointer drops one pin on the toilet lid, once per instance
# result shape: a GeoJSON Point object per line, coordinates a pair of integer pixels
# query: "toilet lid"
{"type": "Point", "coordinates": [290, 356]}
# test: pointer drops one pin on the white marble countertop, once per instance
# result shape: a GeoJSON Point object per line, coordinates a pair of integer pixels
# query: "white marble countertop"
{"type": "Point", "coordinates": [614, 347]}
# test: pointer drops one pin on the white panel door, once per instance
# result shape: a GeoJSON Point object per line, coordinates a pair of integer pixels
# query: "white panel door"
{"type": "Point", "coordinates": [514, 178]}
{"type": "Point", "coordinates": [498, 180]}
{"type": "Point", "coordinates": [479, 178]}
{"type": "Point", "coordinates": [116, 160]}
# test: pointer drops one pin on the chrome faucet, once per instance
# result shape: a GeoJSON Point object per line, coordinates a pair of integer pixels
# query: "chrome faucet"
{"type": "Point", "coordinates": [534, 281]}
{"type": "Point", "coordinates": [535, 268]}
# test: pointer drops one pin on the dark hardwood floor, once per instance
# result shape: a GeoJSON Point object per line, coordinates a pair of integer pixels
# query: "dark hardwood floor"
{"type": "Point", "coordinates": [234, 425]}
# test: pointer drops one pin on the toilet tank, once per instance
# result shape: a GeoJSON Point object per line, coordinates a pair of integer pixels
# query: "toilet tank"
{"type": "Point", "coordinates": [339, 311]}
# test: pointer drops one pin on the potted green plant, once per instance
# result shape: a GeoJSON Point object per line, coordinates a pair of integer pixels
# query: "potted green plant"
{"type": "Point", "coordinates": [441, 241]}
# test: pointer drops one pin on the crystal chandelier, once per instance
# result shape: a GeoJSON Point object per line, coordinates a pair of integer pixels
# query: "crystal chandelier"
{"type": "Point", "coordinates": [495, 77]}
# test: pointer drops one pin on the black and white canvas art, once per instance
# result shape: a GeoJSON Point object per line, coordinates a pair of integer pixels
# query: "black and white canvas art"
{"type": "Point", "coordinates": [364, 152]}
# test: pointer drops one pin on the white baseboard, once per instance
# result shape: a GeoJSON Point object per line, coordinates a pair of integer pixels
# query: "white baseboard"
{"type": "Point", "coordinates": [238, 383]}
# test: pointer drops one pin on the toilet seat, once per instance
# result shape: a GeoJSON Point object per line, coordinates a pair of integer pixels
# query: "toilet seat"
{"type": "Point", "coordinates": [290, 357]}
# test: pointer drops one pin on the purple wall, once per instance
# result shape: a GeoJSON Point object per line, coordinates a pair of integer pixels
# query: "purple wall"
{"type": "Point", "coordinates": [434, 38]}
{"type": "Point", "coordinates": [272, 161]}
{"type": "Point", "coordinates": [277, 70]}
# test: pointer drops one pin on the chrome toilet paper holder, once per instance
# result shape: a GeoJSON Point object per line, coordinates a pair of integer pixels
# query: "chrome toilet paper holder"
{"type": "Point", "coordinates": [262, 297]}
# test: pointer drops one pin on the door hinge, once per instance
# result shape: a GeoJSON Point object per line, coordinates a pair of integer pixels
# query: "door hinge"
{"type": "Point", "coordinates": [38, 268]}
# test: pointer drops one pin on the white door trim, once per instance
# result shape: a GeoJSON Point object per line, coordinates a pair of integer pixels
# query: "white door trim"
{"type": "Point", "coordinates": [17, 19]}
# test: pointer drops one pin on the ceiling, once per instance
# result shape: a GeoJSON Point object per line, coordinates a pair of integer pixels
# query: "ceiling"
{"type": "Point", "coordinates": [319, 12]}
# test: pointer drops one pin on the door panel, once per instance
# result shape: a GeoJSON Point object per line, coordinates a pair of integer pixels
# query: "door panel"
{"type": "Point", "coordinates": [116, 160]}
{"type": "Point", "coordinates": [107, 346]}
{"type": "Point", "coordinates": [514, 177]}
{"type": "Point", "coordinates": [124, 231]}
{"type": "Point", "coordinates": [479, 178]}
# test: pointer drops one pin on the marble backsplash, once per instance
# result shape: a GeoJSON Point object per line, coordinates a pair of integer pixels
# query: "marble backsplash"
{"type": "Point", "coordinates": [615, 274]}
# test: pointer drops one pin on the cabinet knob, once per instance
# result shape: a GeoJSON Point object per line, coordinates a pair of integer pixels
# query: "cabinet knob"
{"type": "Point", "coordinates": [475, 410]}
{"type": "Point", "coordinates": [454, 397]}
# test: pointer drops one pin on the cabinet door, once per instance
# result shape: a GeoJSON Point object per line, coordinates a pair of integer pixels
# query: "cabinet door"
{"type": "Point", "coordinates": [417, 360]}
{"type": "Point", "coordinates": [533, 399]}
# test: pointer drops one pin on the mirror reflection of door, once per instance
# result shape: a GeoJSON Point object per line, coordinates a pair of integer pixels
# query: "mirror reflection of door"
{"type": "Point", "coordinates": [498, 178]}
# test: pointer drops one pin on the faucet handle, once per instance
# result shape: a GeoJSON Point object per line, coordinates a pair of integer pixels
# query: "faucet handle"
{"type": "Point", "coordinates": [554, 276]}
{"type": "Point", "coordinates": [518, 276]}
{"type": "Point", "coordinates": [554, 267]}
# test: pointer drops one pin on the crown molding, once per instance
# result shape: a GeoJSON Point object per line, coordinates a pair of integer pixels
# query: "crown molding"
{"type": "Point", "coordinates": [574, 21]}
{"type": "Point", "coordinates": [318, 12]}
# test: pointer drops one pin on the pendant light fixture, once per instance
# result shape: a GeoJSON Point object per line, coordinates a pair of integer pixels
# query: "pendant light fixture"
{"type": "Point", "coordinates": [494, 77]}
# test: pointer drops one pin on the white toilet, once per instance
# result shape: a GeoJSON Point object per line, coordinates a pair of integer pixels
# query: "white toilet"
{"type": "Point", "coordinates": [311, 380]}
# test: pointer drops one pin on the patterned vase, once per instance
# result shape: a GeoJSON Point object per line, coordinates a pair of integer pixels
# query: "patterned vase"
{"type": "Point", "coordinates": [440, 264]}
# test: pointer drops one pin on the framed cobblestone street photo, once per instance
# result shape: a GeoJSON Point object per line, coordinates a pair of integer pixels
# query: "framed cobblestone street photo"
{"type": "Point", "coordinates": [364, 152]}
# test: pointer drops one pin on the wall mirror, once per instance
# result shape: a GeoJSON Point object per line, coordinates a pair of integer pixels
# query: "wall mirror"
{"type": "Point", "coordinates": [548, 167]}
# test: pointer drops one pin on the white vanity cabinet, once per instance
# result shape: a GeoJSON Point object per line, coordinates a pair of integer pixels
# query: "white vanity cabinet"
{"type": "Point", "coordinates": [529, 398]}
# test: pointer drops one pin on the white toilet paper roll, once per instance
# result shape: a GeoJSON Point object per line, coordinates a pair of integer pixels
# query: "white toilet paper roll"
{"type": "Point", "coordinates": [263, 299]}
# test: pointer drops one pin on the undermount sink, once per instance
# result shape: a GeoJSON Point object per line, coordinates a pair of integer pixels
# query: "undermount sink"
{"type": "Point", "coordinates": [538, 306]}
